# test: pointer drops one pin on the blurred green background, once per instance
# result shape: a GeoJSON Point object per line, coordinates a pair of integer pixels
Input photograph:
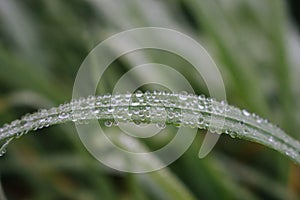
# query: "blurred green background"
{"type": "Point", "coordinates": [255, 44]}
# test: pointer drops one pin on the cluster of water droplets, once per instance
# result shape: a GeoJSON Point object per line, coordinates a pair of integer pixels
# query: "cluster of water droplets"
{"type": "Point", "coordinates": [161, 108]}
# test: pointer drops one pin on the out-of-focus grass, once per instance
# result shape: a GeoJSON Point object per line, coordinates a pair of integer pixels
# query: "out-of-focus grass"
{"type": "Point", "coordinates": [42, 44]}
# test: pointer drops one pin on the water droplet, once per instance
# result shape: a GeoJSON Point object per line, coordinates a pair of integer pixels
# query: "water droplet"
{"type": "Point", "coordinates": [246, 113]}
{"type": "Point", "coordinates": [128, 94]}
{"type": "Point", "coordinates": [116, 123]}
{"type": "Point", "coordinates": [200, 120]}
{"type": "Point", "coordinates": [19, 135]}
{"type": "Point", "coordinates": [63, 115]}
{"type": "Point", "coordinates": [183, 95]}
{"type": "Point", "coordinates": [271, 139]}
{"type": "Point", "coordinates": [2, 152]}
{"type": "Point", "coordinates": [201, 107]}
{"type": "Point", "coordinates": [201, 97]}
{"type": "Point", "coordinates": [138, 94]}
{"type": "Point", "coordinates": [136, 122]}
{"type": "Point", "coordinates": [245, 131]}
{"type": "Point", "coordinates": [212, 129]}
{"type": "Point", "coordinates": [232, 134]}
{"type": "Point", "coordinates": [259, 120]}
{"type": "Point", "coordinates": [135, 103]}
{"type": "Point", "coordinates": [22, 123]}
{"type": "Point", "coordinates": [4, 146]}
{"type": "Point", "coordinates": [161, 125]}
{"type": "Point", "coordinates": [110, 109]}
{"type": "Point", "coordinates": [108, 123]}
{"type": "Point", "coordinates": [178, 125]}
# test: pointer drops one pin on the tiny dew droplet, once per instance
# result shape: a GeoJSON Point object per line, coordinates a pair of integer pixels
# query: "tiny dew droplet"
{"type": "Point", "coordinates": [110, 109]}
{"type": "Point", "coordinates": [2, 152]}
{"type": "Point", "coordinates": [200, 106]}
{"type": "Point", "coordinates": [232, 134]}
{"type": "Point", "coordinates": [4, 146]}
{"type": "Point", "coordinates": [219, 131]}
{"type": "Point", "coordinates": [23, 122]}
{"type": "Point", "coordinates": [183, 95]}
{"type": "Point", "coordinates": [138, 94]}
{"type": "Point", "coordinates": [259, 120]}
{"type": "Point", "coordinates": [245, 131]}
{"type": "Point", "coordinates": [201, 97]}
{"type": "Point", "coordinates": [19, 135]}
{"type": "Point", "coordinates": [246, 113]}
{"type": "Point", "coordinates": [63, 115]}
{"type": "Point", "coordinates": [161, 125]}
{"type": "Point", "coordinates": [136, 122]}
{"type": "Point", "coordinates": [108, 123]}
{"type": "Point", "coordinates": [116, 123]}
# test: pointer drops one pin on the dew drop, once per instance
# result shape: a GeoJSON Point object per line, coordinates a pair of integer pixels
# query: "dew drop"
{"type": "Point", "coordinates": [200, 120]}
{"type": "Point", "coordinates": [128, 94]}
{"type": "Point", "coordinates": [161, 125]}
{"type": "Point", "coordinates": [138, 94]}
{"type": "Point", "coordinates": [63, 115]}
{"type": "Point", "coordinates": [201, 97]}
{"type": "Point", "coordinates": [19, 135]}
{"type": "Point", "coordinates": [22, 123]}
{"type": "Point", "coordinates": [116, 123]}
{"type": "Point", "coordinates": [245, 131]}
{"type": "Point", "coordinates": [108, 123]}
{"type": "Point", "coordinates": [111, 109]}
{"type": "Point", "coordinates": [2, 152]}
{"type": "Point", "coordinates": [201, 107]}
{"type": "Point", "coordinates": [206, 124]}
{"type": "Point", "coordinates": [212, 129]}
{"type": "Point", "coordinates": [245, 113]}
{"type": "Point", "coordinates": [4, 146]}
{"type": "Point", "coordinates": [259, 120]}
{"type": "Point", "coordinates": [178, 125]}
{"type": "Point", "coordinates": [271, 139]}
{"type": "Point", "coordinates": [135, 103]}
{"type": "Point", "coordinates": [183, 95]}
{"type": "Point", "coordinates": [136, 122]}
{"type": "Point", "coordinates": [232, 134]}
{"type": "Point", "coordinates": [219, 131]}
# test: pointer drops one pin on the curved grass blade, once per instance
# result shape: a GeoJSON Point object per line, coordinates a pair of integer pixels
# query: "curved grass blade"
{"type": "Point", "coordinates": [161, 108]}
